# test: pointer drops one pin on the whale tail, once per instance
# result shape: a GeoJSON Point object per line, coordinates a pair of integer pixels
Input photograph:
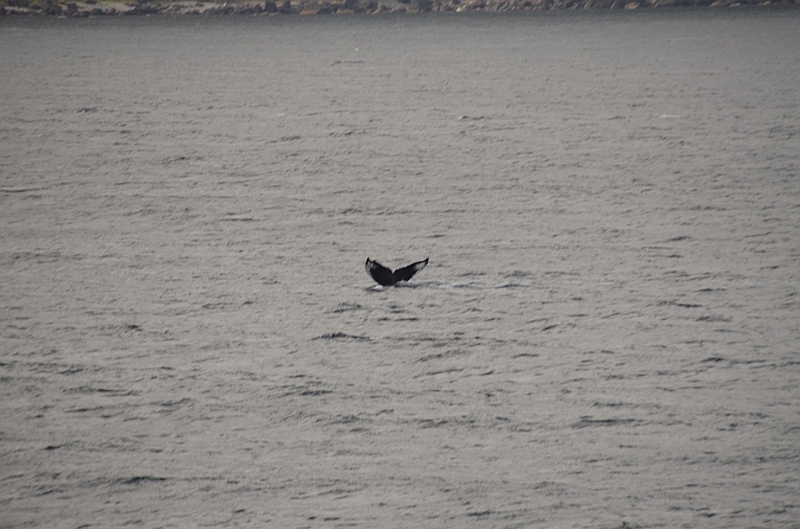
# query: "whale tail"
{"type": "Point", "coordinates": [384, 276]}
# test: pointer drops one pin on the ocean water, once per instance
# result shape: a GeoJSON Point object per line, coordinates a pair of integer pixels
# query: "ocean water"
{"type": "Point", "coordinates": [606, 335]}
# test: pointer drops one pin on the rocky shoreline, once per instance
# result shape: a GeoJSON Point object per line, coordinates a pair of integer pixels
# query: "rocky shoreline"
{"type": "Point", "coordinates": [88, 8]}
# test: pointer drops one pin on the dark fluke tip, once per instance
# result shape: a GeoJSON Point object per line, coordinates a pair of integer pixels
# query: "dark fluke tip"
{"type": "Point", "coordinates": [384, 276]}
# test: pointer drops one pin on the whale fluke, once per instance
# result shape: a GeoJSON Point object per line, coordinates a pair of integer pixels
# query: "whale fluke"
{"type": "Point", "coordinates": [384, 276]}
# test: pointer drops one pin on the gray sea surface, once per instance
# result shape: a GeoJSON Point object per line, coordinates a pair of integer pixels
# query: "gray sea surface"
{"type": "Point", "coordinates": [607, 334]}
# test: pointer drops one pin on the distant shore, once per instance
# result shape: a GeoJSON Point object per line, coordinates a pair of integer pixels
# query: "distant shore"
{"type": "Point", "coordinates": [88, 8]}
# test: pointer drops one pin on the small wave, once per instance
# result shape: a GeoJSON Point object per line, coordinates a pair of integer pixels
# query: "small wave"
{"type": "Point", "coordinates": [342, 336]}
{"type": "Point", "coordinates": [511, 285]}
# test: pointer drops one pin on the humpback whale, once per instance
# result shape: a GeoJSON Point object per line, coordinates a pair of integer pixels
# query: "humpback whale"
{"type": "Point", "coordinates": [384, 276]}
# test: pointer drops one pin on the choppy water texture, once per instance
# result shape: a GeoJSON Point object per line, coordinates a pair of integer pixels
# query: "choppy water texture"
{"type": "Point", "coordinates": [606, 335]}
